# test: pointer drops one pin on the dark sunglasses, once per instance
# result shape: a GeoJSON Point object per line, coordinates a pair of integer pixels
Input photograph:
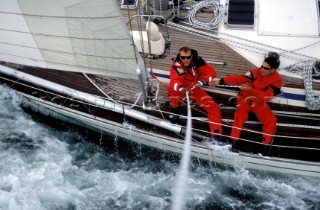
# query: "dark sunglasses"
{"type": "Point", "coordinates": [265, 68]}
{"type": "Point", "coordinates": [185, 57]}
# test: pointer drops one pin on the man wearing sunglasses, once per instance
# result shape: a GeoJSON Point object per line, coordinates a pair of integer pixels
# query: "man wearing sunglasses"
{"type": "Point", "coordinates": [188, 73]}
{"type": "Point", "coordinates": [257, 87]}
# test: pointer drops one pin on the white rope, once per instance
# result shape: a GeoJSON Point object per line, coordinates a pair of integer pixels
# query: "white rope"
{"type": "Point", "coordinates": [96, 86]}
{"type": "Point", "coordinates": [312, 101]}
{"type": "Point", "coordinates": [212, 5]}
{"type": "Point", "coordinates": [300, 48]}
{"type": "Point", "coordinates": [108, 97]}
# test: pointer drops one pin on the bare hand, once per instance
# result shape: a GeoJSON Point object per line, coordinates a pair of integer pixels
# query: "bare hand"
{"type": "Point", "coordinates": [214, 82]}
{"type": "Point", "coordinates": [245, 87]}
{"type": "Point", "coordinates": [198, 84]}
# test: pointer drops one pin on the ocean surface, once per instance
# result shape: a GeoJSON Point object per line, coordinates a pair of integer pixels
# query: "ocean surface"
{"type": "Point", "coordinates": [45, 165]}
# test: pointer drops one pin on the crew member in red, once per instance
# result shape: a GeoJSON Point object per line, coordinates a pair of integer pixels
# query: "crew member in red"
{"type": "Point", "coordinates": [188, 73]}
{"type": "Point", "coordinates": [257, 87]}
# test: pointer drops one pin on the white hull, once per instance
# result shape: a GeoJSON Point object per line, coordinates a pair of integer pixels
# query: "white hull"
{"type": "Point", "coordinates": [215, 155]}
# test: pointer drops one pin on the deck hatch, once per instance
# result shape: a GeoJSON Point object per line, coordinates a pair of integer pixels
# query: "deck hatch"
{"type": "Point", "coordinates": [129, 4]}
{"type": "Point", "coordinates": [240, 13]}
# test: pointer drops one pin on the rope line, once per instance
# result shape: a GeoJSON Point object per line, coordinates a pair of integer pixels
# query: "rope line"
{"type": "Point", "coordinates": [312, 101]}
{"type": "Point", "coordinates": [212, 5]}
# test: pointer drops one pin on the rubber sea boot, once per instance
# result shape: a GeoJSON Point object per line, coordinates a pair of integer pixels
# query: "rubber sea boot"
{"type": "Point", "coordinates": [234, 146]}
{"type": "Point", "coordinates": [265, 149]}
{"type": "Point", "coordinates": [217, 140]}
{"type": "Point", "coordinates": [174, 119]}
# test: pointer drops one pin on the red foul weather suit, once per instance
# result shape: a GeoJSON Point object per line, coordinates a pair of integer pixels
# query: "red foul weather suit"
{"type": "Point", "coordinates": [181, 76]}
{"type": "Point", "coordinates": [262, 91]}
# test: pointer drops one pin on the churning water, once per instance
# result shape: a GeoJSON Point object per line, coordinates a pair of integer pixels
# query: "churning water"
{"type": "Point", "coordinates": [58, 167]}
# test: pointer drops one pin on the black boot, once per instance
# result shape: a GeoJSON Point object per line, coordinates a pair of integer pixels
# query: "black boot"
{"type": "Point", "coordinates": [174, 118]}
{"type": "Point", "coordinates": [265, 150]}
{"type": "Point", "coordinates": [234, 146]}
{"type": "Point", "coordinates": [217, 140]}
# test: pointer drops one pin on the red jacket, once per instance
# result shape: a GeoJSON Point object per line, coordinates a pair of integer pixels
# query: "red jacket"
{"type": "Point", "coordinates": [263, 88]}
{"type": "Point", "coordinates": [198, 70]}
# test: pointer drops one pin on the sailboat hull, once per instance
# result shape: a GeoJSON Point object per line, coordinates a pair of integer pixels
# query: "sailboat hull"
{"type": "Point", "coordinates": [175, 145]}
{"type": "Point", "coordinates": [77, 58]}
{"type": "Point", "coordinates": [113, 123]}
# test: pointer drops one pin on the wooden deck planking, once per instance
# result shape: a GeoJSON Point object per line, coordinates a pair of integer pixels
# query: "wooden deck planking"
{"type": "Point", "coordinates": [72, 80]}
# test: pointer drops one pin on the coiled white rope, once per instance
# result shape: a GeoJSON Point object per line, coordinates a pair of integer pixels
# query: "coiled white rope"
{"type": "Point", "coordinates": [312, 102]}
{"type": "Point", "coordinates": [212, 5]}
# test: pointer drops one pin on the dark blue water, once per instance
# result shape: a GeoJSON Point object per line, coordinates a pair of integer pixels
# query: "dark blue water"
{"type": "Point", "coordinates": [59, 167]}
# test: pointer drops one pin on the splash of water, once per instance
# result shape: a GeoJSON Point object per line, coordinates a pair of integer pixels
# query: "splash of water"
{"type": "Point", "coordinates": [45, 167]}
{"type": "Point", "coordinates": [181, 187]}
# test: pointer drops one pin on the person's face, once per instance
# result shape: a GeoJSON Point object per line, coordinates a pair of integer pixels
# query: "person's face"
{"type": "Point", "coordinates": [266, 69]}
{"type": "Point", "coordinates": [186, 58]}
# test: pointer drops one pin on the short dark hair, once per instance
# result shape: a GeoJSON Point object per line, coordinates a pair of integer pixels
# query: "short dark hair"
{"type": "Point", "coordinates": [272, 61]}
{"type": "Point", "coordinates": [185, 49]}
